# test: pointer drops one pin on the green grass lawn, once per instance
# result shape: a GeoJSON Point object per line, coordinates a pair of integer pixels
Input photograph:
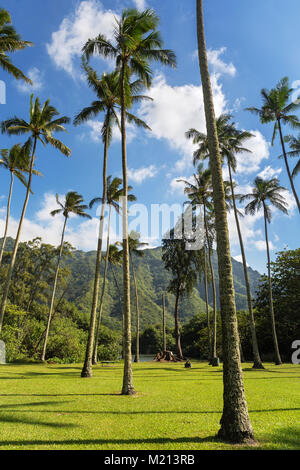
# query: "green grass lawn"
{"type": "Point", "coordinates": [51, 407]}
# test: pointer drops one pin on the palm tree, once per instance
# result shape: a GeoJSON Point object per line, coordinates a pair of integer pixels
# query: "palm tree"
{"type": "Point", "coordinates": [135, 249]}
{"type": "Point", "coordinates": [10, 41]}
{"type": "Point", "coordinates": [107, 89]}
{"type": "Point", "coordinates": [276, 108]}
{"type": "Point", "coordinates": [115, 257]}
{"type": "Point", "coordinates": [265, 191]}
{"type": "Point", "coordinates": [200, 193]}
{"type": "Point", "coordinates": [40, 126]}
{"type": "Point", "coordinates": [294, 143]}
{"type": "Point", "coordinates": [114, 194]}
{"type": "Point", "coordinates": [235, 421]}
{"type": "Point", "coordinates": [72, 205]}
{"type": "Point", "coordinates": [16, 160]}
{"type": "Point", "coordinates": [137, 42]}
{"type": "Point", "coordinates": [231, 141]}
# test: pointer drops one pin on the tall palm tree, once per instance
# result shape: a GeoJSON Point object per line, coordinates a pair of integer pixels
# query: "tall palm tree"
{"type": "Point", "coordinates": [40, 126]}
{"type": "Point", "coordinates": [200, 193]}
{"type": "Point", "coordinates": [107, 89]}
{"type": "Point", "coordinates": [137, 42]}
{"type": "Point", "coordinates": [72, 205]}
{"type": "Point", "coordinates": [10, 41]}
{"type": "Point", "coordinates": [235, 421]}
{"type": "Point", "coordinates": [277, 108]}
{"type": "Point", "coordinates": [16, 160]}
{"type": "Point", "coordinates": [114, 194]}
{"type": "Point", "coordinates": [135, 249]}
{"type": "Point", "coordinates": [294, 143]}
{"type": "Point", "coordinates": [231, 143]}
{"type": "Point", "coordinates": [265, 191]}
{"type": "Point", "coordinates": [115, 257]}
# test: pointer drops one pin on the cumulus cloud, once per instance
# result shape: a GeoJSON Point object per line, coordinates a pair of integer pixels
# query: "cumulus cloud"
{"type": "Point", "coordinates": [81, 233]}
{"type": "Point", "coordinates": [268, 172]}
{"type": "Point", "coordinates": [250, 162]}
{"type": "Point", "coordinates": [140, 4]}
{"type": "Point", "coordinates": [141, 174]}
{"type": "Point", "coordinates": [94, 132]}
{"type": "Point", "coordinates": [36, 76]}
{"type": "Point", "coordinates": [176, 109]}
{"type": "Point", "coordinates": [217, 64]}
{"type": "Point", "coordinates": [89, 19]}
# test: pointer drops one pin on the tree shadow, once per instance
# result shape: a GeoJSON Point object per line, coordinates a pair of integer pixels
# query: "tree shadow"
{"type": "Point", "coordinates": [7, 418]}
{"type": "Point", "coordinates": [105, 442]}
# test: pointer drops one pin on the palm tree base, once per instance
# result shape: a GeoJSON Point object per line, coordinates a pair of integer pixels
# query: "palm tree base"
{"type": "Point", "coordinates": [136, 359]}
{"type": "Point", "coordinates": [257, 365]}
{"type": "Point", "coordinates": [128, 391]}
{"type": "Point", "coordinates": [86, 373]}
{"type": "Point", "coordinates": [95, 363]}
{"type": "Point", "coordinates": [215, 362]}
{"type": "Point", "coordinates": [278, 363]}
{"type": "Point", "coordinates": [228, 434]}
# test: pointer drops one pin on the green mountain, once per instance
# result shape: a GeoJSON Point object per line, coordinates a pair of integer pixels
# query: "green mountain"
{"type": "Point", "coordinates": [152, 281]}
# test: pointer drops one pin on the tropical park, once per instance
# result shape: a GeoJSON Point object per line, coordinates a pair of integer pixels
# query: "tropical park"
{"type": "Point", "coordinates": [149, 218]}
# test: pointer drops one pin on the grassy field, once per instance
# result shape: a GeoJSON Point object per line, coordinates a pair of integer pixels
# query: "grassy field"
{"type": "Point", "coordinates": [51, 407]}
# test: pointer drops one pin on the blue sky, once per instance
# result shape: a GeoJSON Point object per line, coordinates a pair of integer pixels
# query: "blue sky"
{"type": "Point", "coordinates": [251, 45]}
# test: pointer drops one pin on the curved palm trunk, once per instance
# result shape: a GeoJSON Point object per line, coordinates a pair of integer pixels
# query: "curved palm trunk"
{"type": "Point", "coordinates": [164, 323]}
{"type": "Point", "coordinates": [137, 347]}
{"type": "Point", "coordinates": [272, 316]}
{"type": "Point", "coordinates": [128, 388]}
{"type": "Point", "coordinates": [87, 366]}
{"type": "Point", "coordinates": [43, 355]}
{"type": "Point", "coordinates": [120, 301]}
{"type": "Point", "coordinates": [7, 215]}
{"type": "Point", "coordinates": [17, 241]}
{"type": "Point", "coordinates": [287, 166]}
{"type": "Point", "coordinates": [235, 421]}
{"type": "Point", "coordinates": [95, 352]}
{"type": "Point", "coordinates": [213, 283]}
{"type": "Point", "coordinates": [207, 308]}
{"type": "Point", "coordinates": [256, 356]}
{"type": "Point", "coordinates": [177, 327]}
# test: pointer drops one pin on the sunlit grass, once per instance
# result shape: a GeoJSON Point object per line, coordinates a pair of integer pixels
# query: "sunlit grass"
{"type": "Point", "coordinates": [51, 407]}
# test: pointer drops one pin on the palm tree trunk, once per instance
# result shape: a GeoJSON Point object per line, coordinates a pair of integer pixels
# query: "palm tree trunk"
{"type": "Point", "coordinates": [7, 215]}
{"type": "Point", "coordinates": [137, 337]}
{"type": "Point", "coordinates": [95, 352]}
{"type": "Point", "coordinates": [207, 306]}
{"type": "Point", "coordinates": [213, 283]}
{"type": "Point", "coordinates": [256, 356]}
{"type": "Point", "coordinates": [128, 388]}
{"type": "Point", "coordinates": [235, 421]}
{"type": "Point", "coordinates": [274, 334]}
{"type": "Point", "coordinates": [87, 366]}
{"type": "Point", "coordinates": [177, 327]}
{"type": "Point", "coordinates": [17, 241]}
{"type": "Point", "coordinates": [164, 323]}
{"type": "Point", "coordinates": [43, 355]}
{"type": "Point", "coordinates": [287, 166]}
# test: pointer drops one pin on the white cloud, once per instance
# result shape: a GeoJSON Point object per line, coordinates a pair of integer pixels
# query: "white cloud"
{"type": "Point", "coordinates": [217, 64]}
{"type": "Point", "coordinates": [141, 174]}
{"type": "Point", "coordinates": [268, 172]}
{"type": "Point", "coordinates": [250, 162]}
{"type": "Point", "coordinates": [260, 245]}
{"type": "Point", "coordinates": [177, 109]}
{"type": "Point", "coordinates": [37, 78]}
{"type": "Point", "coordinates": [88, 21]}
{"type": "Point", "coordinates": [239, 258]}
{"type": "Point", "coordinates": [178, 186]}
{"type": "Point", "coordinates": [140, 4]}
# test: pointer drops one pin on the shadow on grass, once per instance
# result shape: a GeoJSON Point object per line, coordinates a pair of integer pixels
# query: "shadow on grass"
{"type": "Point", "coordinates": [287, 436]}
{"type": "Point", "coordinates": [104, 442]}
{"type": "Point", "coordinates": [7, 418]}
